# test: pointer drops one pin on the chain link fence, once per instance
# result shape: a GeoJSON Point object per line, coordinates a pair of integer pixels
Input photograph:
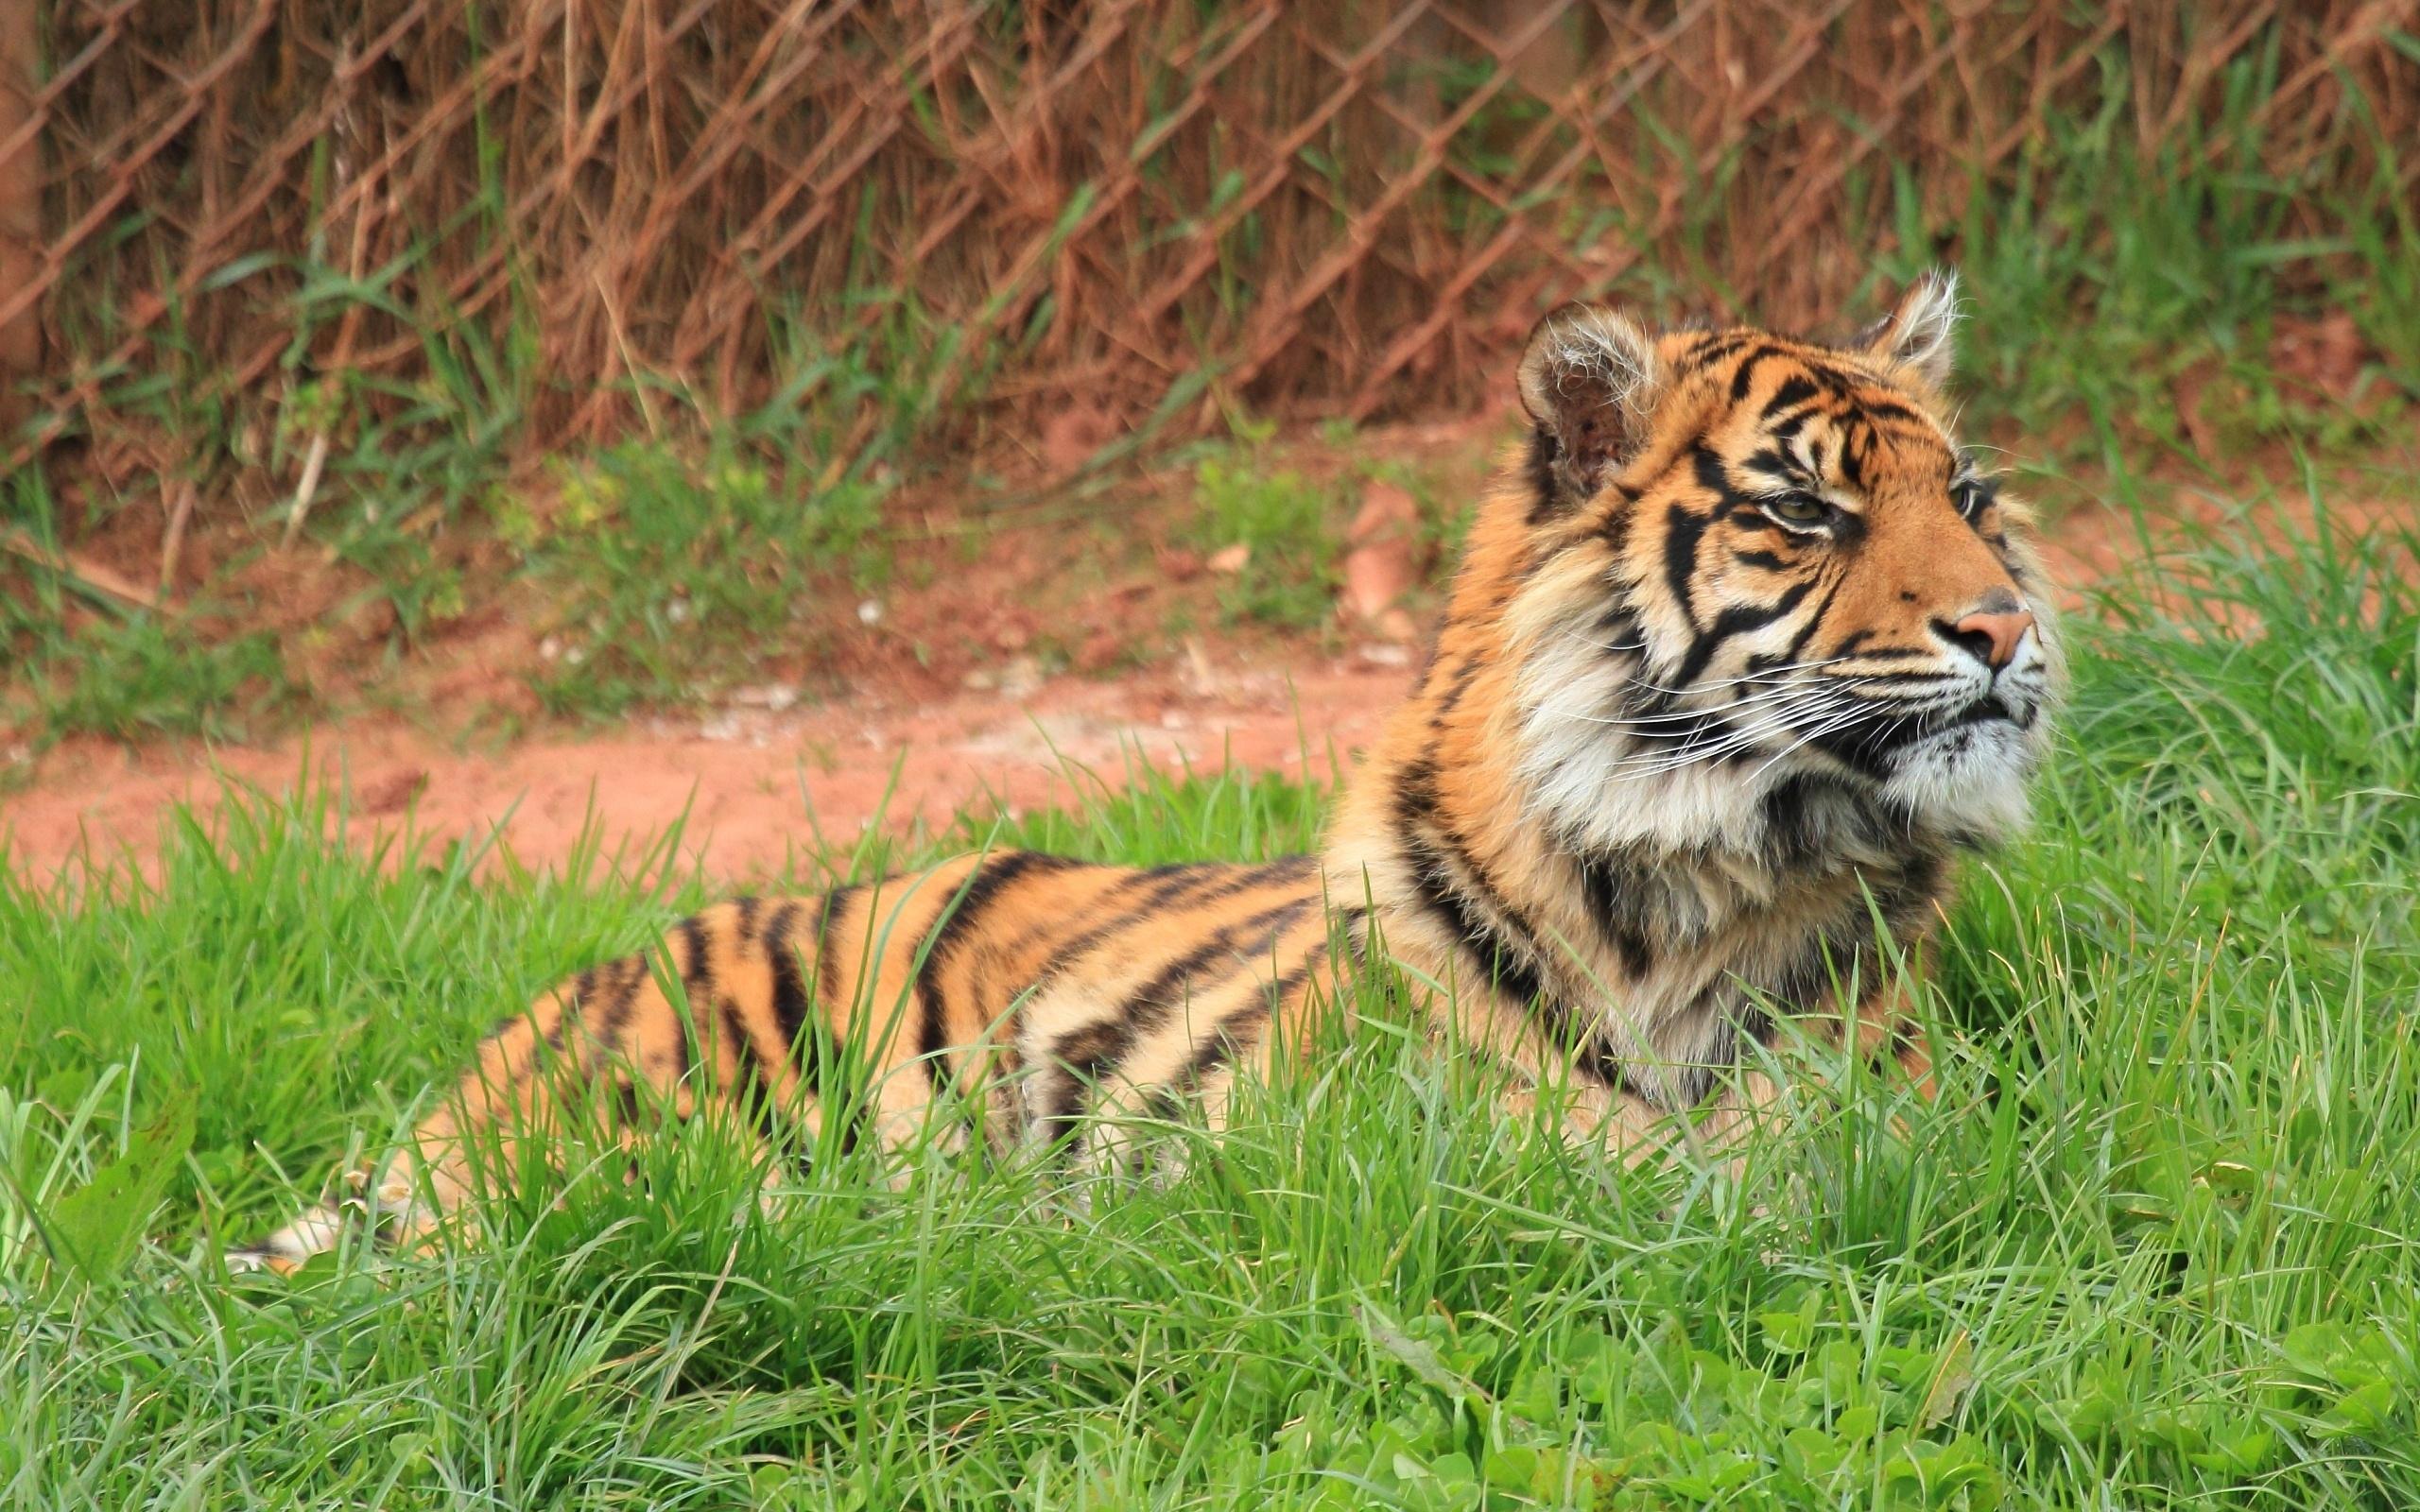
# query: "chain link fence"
{"type": "Point", "coordinates": [234, 231]}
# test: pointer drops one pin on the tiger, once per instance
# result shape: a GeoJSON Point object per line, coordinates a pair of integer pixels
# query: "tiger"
{"type": "Point", "coordinates": [1745, 652]}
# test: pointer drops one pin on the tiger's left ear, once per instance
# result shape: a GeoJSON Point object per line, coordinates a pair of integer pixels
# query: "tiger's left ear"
{"type": "Point", "coordinates": [1588, 380]}
{"type": "Point", "coordinates": [1919, 330]}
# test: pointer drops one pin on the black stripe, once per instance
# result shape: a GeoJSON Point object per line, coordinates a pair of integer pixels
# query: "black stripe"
{"type": "Point", "coordinates": [1545, 498]}
{"type": "Point", "coordinates": [1786, 431]}
{"type": "Point", "coordinates": [1855, 448]}
{"type": "Point", "coordinates": [1508, 955]}
{"type": "Point", "coordinates": [753, 1095]}
{"type": "Point", "coordinates": [829, 962]}
{"type": "Point", "coordinates": [697, 977]}
{"type": "Point", "coordinates": [1772, 463]}
{"type": "Point", "coordinates": [1223, 1045]}
{"type": "Point", "coordinates": [1716, 479]}
{"type": "Point", "coordinates": [1508, 963]}
{"type": "Point", "coordinates": [1081, 1053]}
{"type": "Point", "coordinates": [1603, 889]}
{"type": "Point", "coordinates": [1682, 531]}
{"type": "Point", "coordinates": [1739, 619]}
{"type": "Point", "coordinates": [630, 975]}
{"type": "Point", "coordinates": [1123, 887]}
{"type": "Point", "coordinates": [1744, 377]}
{"type": "Point", "coordinates": [790, 1000]}
{"type": "Point", "coordinates": [1090, 1053]}
{"type": "Point", "coordinates": [1795, 389]}
{"type": "Point", "coordinates": [697, 983]}
{"type": "Point", "coordinates": [1169, 884]}
{"type": "Point", "coordinates": [981, 888]}
{"type": "Point", "coordinates": [744, 909]}
{"type": "Point", "coordinates": [1881, 407]}
{"type": "Point", "coordinates": [572, 999]}
{"type": "Point", "coordinates": [1148, 1008]}
{"type": "Point", "coordinates": [1620, 631]}
{"type": "Point", "coordinates": [1508, 969]}
{"type": "Point", "coordinates": [1199, 890]}
{"type": "Point", "coordinates": [1714, 348]}
{"type": "Point", "coordinates": [1814, 621]}
{"type": "Point", "coordinates": [1455, 691]}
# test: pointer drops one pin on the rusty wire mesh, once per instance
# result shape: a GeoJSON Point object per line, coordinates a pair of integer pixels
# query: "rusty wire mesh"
{"type": "Point", "coordinates": [865, 209]}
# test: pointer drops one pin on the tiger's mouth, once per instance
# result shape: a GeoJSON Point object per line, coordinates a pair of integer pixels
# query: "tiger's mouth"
{"type": "Point", "coordinates": [1984, 709]}
{"type": "Point", "coordinates": [1879, 741]}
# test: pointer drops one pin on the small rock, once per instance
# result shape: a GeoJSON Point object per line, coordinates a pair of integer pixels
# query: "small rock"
{"type": "Point", "coordinates": [870, 612]}
{"type": "Point", "coordinates": [1070, 438]}
{"type": "Point", "coordinates": [1387, 512]}
{"type": "Point", "coordinates": [550, 648]}
{"type": "Point", "coordinates": [1021, 678]}
{"type": "Point", "coordinates": [2326, 354]}
{"type": "Point", "coordinates": [1375, 575]}
{"type": "Point", "coordinates": [677, 611]}
{"type": "Point", "coordinates": [1385, 654]}
{"type": "Point", "coordinates": [1396, 625]}
{"type": "Point", "coordinates": [770, 696]}
{"type": "Point", "coordinates": [982, 679]}
{"type": "Point", "coordinates": [393, 793]}
{"type": "Point", "coordinates": [1198, 677]}
{"type": "Point", "coordinates": [1230, 560]}
{"type": "Point", "coordinates": [722, 729]}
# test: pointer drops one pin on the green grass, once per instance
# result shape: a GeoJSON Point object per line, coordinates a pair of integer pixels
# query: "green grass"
{"type": "Point", "coordinates": [2151, 1249]}
{"type": "Point", "coordinates": [129, 673]}
{"type": "Point", "coordinates": [1286, 521]}
{"type": "Point", "coordinates": [670, 580]}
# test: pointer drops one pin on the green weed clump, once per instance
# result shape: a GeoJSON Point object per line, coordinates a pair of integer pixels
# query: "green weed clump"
{"type": "Point", "coordinates": [671, 580]}
{"type": "Point", "coordinates": [2151, 1249]}
{"type": "Point", "coordinates": [1286, 523]}
{"type": "Point", "coordinates": [127, 673]}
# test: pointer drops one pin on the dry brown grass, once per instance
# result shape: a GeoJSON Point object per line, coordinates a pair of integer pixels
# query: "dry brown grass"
{"type": "Point", "coordinates": [272, 218]}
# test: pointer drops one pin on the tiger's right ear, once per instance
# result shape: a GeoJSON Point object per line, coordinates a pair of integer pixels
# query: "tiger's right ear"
{"type": "Point", "coordinates": [1587, 379]}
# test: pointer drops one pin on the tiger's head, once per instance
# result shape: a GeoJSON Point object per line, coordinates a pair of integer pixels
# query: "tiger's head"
{"type": "Point", "coordinates": [1761, 568]}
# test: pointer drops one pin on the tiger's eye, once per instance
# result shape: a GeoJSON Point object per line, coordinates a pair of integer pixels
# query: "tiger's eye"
{"type": "Point", "coordinates": [1798, 509]}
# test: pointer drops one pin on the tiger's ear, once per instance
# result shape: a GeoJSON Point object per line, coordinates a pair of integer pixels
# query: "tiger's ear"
{"type": "Point", "coordinates": [1588, 381]}
{"type": "Point", "coordinates": [1918, 332]}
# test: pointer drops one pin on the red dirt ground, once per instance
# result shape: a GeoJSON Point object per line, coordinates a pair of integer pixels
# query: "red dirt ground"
{"type": "Point", "coordinates": [747, 781]}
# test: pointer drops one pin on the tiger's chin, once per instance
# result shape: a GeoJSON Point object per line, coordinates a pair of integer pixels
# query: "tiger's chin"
{"type": "Point", "coordinates": [1970, 778]}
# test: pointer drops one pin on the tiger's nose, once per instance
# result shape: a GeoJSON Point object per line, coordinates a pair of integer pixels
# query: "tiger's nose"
{"type": "Point", "coordinates": [1993, 634]}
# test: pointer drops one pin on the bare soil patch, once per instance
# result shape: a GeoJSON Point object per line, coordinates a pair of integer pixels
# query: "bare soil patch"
{"type": "Point", "coordinates": [752, 788]}
{"type": "Point", "coordinates": [913, 738]}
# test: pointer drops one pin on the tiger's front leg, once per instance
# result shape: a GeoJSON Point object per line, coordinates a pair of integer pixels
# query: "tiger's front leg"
{"type": "Point", "coordinates": [1615, 1117]}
